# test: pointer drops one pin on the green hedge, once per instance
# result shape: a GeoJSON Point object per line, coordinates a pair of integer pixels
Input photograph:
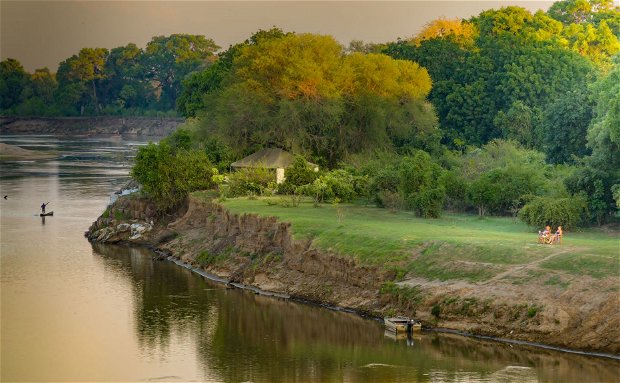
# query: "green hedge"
{"type": "Point", "coordinates": [569, 212]}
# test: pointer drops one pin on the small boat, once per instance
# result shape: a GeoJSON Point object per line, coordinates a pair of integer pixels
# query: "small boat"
{"type": "Point", "coordinates": [47, 214]}
{"type": "Point", "coordinates": [401, 324]}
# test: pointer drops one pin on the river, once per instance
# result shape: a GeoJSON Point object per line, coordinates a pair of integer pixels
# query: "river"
{"type": "Point", "coordinates": [72, 311]}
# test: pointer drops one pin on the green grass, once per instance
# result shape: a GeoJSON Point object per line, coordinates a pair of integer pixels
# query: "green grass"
{"type": "Point", "coordinates": [597, 266]}
{"type": "Point", "coordinates": [455, 246]}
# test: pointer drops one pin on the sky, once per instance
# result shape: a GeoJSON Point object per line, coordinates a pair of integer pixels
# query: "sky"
{"type": "Point", "coordinates": [44, 33]}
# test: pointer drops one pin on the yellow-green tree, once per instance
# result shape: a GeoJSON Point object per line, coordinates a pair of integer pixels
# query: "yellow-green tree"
{"type": "Point", "coordinates": [302, 92]}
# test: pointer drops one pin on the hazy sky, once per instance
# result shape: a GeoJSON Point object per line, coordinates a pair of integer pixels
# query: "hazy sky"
{"type": "Point", "coordinates": [43, 33]}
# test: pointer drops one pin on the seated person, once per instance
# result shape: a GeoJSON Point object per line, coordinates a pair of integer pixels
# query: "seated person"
{"type": "Point", "coordinates": [544, 236]}
{"type": "Point", "coordinates": [558, 234]}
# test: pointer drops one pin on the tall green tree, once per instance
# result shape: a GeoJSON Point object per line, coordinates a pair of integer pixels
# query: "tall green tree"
{"type": "Point", "coordinates": [566, 123]}
{"type": "Point", "coordinates": [13, 80]}
{"type": "Point", "coordinates": [600, 176]}
{"type": "Point", "coordinates": [127, 85]}
{"type": "Point", "coordinates": [83, 73]}
{"type": "Point", "coordinates": [197, 85]}
{"type": "Point", "coordinates": [169, 59]}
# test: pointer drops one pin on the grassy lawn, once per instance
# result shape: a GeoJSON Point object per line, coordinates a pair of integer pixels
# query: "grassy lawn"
{"type": "Point", "coordinates": [451, 247]}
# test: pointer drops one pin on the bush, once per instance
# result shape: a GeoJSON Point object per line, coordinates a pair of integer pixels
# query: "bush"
{"type": "Point", "coordinates": [296, 175]}
{"type": "Point", "coordinates": [335, 184]}
{"type": "Point", "coordinates": [168, 176]}
{"type": "Point", "coordinates": [420, 184]}
{"type": "Point", "coordinates": [250, 181]}
{"type": "Point", "coordinates": [566, 212]}
{"type": "Point", "coordinates": [456, 191]}
{"type": "Point", "coordinates": [390, 200]}
{"type": "Point", "coordinates": [496, 191]}
{"type": "Point", "coordinates": [383, 185]}
{"type": "Point", "coordinates": [428, 202]}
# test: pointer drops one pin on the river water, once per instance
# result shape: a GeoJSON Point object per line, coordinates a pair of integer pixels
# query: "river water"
{"type": "Point", "coordinates": [72, 311]}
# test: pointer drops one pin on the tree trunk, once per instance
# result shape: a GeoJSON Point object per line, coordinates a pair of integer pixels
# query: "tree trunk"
{"type": "Point", "coordinates": [95, 98]}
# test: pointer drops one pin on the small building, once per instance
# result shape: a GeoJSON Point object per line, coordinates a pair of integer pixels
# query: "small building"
{"type": "Point", "coordinates": [271, 158]}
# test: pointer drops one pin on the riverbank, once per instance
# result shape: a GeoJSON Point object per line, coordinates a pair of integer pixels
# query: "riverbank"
{"type": "Point", "coordinates": [91, 126]}
{"type": "Point", "coordinates": [522, 302]}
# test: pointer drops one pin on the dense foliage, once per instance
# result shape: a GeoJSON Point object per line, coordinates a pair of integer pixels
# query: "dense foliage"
{"type": "Point", "coordinates": [168, 173]}
{"type": "Point", "coordinates": [565, 212]}
{"type": "Point", "coordinates": [301, 93]}
{"type": "Point", "coordinates": [124, 80]}
{"type": "Point", "coordinates": [508, 111]}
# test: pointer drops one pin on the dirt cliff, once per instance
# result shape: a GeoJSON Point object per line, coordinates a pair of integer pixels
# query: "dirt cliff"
{"type": "Point", "coordinates": [262, 252]}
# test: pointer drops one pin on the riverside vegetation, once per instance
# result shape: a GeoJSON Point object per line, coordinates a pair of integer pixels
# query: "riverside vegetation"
{"type": "Point", "coordinates": [440, 157]}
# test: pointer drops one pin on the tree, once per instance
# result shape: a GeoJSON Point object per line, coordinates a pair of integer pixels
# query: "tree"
{"type": "Point", "coordinates": [44, 85]}
{"type": "Point", "coordinates": [13, 80]}
{"type": "Point", "coordinates": [497, 190]}
{"type": "Point", "coordinates": [457, 30]}
{"type": "Point", "coordinates": [196, 86]}
{"type": "Point", "coordinates": [127, 85]}
{"type": "Point", "coordinates": [78, 72]}
{"type": "Point", "coordinates": [168, 175]}
{"type": "Point", "coordinates": [591, 27]}
{"type": "Point", "coordinates": [168, 59]}
{"type": "Point", "coordinates": [420, 185]}
{"type": "Point", "coordinates": [566, 123]}
{"type": "Point", "coordinates": [37, 97]}
{"type": "Point", "coordinates": [519, 124]}
{"type": "Point", "coordinates": [300, 93]}
{"type": "Point", "coordinates": [601, 173]}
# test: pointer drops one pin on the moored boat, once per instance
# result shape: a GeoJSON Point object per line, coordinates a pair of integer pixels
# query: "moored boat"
{"type": "Point", "coordinates": [401, 324]}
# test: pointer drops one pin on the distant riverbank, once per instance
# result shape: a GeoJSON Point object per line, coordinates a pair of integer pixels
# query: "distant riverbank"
{"type": "Point", "coordinates": [91, 126]}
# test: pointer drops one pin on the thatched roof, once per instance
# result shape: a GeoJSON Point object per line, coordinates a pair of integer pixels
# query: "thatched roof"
{"type": "Point", "coordinates": [272, 158]}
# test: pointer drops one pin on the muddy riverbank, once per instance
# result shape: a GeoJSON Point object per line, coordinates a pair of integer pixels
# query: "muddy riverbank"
{"type": "Point", "coordinates": [261, 252]}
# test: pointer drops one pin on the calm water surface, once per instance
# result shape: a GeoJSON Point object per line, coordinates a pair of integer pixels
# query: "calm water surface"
{"type": "Point", "coordinates": [71, 311]}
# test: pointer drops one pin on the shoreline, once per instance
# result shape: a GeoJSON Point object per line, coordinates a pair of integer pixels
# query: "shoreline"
{"type": "Point", "coordinates": [259, 254]}
{"type": "Point", "coordinates": [256, 290]}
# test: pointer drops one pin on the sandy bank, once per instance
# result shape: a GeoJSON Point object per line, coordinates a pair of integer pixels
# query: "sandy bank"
{"type": "Point", "coordinates": [12, 152]}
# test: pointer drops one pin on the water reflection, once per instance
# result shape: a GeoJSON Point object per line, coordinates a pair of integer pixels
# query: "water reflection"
{"type": "Point", "coordinates": [240, 336]}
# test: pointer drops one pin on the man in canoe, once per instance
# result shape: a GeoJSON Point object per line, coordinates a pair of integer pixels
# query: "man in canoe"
{"type": "Point", "coordinates": [43, 205]}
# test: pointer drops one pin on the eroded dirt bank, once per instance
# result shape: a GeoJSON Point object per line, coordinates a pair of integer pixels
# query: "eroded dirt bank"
{"type": "Point", "coordinates": [261, 252]}
{"type": "Point", "coordinates": [91, 126]}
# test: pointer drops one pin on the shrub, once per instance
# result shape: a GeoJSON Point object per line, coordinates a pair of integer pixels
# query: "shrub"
{"type": "Point", "coordinates": [168, 176]}
{"type": "Point", "coordinates": [568, 212]}
{"type": "Point", "coordinates": [390, 200]}
{"type": "Point", "coordinates": [428, 202]}
{"type": "Point", "coordinates": [335, 184]}
{"type": "Point", "coordinates": [250, 181]}
{"type": "Point", "coordinates": [298, 174]}
{"type": "Point", "coordinates": [456, 190]}
{"type": "Point", "coordinates": [420, 184]}
{"type": "Point", "coordinates": [384, 183]}
{"type": "Point", "coordinates": [496, 190]}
